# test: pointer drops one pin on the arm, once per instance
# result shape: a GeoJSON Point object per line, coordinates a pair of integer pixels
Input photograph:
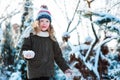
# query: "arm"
{"type": "Point", "coordinates": [59, 57]}
{"type": "Point", "coordinates": [26, 50]}
{"type": "Point", "coordinates": [26, 44]}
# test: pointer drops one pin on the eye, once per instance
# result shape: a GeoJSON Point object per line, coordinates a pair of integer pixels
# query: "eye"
{"type": "Point", "coordinates": [47, 21]}
{"type": "Point", "coordinates": [41, 20]}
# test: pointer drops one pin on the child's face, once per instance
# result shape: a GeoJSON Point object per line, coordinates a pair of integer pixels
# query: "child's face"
{"type": "Point", "coordinates": [44, 24]}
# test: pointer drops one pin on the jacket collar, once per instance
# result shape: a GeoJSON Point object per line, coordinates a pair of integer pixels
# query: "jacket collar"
{"type": "Point", "coordinates": [43, 34]}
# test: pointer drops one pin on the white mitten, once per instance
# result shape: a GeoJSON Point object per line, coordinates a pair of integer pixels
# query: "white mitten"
{"type": "Point", "coordinates": [29, 54]}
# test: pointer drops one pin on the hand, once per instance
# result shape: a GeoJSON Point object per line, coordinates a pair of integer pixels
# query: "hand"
{"type": "Point", "coordinates": [28, 54]}
{"type": "Point", "coordinates": [68, 72]}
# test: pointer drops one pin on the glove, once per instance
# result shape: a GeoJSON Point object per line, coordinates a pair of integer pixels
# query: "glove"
{"type": "Point", "coordinates": [28, 54]}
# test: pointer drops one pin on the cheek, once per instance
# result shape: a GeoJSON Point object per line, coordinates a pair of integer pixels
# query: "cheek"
{"type": "Point", "coordinates": [47, 27]}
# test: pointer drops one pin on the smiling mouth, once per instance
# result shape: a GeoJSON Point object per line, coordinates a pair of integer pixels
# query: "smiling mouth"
{"type": "Point", "coordinates": [43, 26]}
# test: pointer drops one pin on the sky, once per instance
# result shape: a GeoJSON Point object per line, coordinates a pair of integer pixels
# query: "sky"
{"type": "Point", "coordinates": [59, 20]}
{"type": "Point", "coordinates": [58, 15]}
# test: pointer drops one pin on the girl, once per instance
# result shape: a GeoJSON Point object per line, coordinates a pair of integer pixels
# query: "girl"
{"type": "Point", "coordinates": [41, 49]}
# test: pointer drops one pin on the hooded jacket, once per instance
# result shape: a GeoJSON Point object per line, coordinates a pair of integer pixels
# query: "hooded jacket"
{"type": "Point", "coordinates": [46, 52]}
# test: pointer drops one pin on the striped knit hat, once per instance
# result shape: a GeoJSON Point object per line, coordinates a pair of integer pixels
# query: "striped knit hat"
{"type": "Point", "coordinates": [44, 13]}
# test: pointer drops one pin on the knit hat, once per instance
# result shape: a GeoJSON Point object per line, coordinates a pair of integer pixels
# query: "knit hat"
{"type": "Point", "coordinates": [44, 13]}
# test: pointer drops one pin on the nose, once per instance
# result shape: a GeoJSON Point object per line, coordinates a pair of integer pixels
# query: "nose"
{"type": "Point", "coordinates": [44, 22]}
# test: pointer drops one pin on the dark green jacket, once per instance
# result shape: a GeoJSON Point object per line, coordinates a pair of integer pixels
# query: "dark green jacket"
{"type": "Point", "coordinates": [46, 52]}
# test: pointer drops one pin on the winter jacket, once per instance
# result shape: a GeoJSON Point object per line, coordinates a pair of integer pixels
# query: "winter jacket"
{"type": "Point", "coordinates": [46, 52]}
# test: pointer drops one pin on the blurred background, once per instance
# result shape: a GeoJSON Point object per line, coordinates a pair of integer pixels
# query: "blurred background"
{"type": "Point", "coordinates": [88, 32]}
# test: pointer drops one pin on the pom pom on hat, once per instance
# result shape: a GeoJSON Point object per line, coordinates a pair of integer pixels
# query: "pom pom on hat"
{"type": "Point", "coordinates": [44, 13]}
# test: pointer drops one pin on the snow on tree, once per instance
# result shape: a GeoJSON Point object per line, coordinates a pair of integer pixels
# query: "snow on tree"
{"type": "Point", "coordinates": [87, 58]}
{"type": "Point", "coordinates": [90, 61]}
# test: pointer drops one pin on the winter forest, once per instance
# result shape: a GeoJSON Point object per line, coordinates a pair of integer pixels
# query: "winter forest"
{"type": "Point", "coordinates": [88, 32]}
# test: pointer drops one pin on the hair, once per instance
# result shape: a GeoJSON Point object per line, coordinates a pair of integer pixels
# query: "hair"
{"type": "Point", "coordinates": [50, 30]}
